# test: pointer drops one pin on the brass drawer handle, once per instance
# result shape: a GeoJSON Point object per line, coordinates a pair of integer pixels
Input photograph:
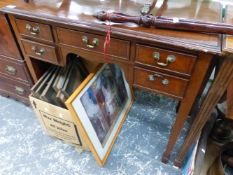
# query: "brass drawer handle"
{"type": "Point", "coordinates": [153, 77]}
{"type": "Point", "coordinates": [94, 43]}
{"type": "Point", "coordinates": [170, 59]}
{"type": "Point", "coordinates": [19, 90]}
{"type": "Point", "coordinates": [10, 70]}
{"type": "Point", "coordinates": [38, 52]}
{"type": "Point", "coordinates": [33, 30]}
{"type": "Point", "coordinates": [165, 81]}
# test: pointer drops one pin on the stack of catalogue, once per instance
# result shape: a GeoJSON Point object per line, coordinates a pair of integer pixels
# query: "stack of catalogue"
{"type": "Point", "coordinates": [82, 108]}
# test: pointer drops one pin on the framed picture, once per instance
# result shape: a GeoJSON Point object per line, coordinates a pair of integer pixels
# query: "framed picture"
{"type": "Point", "coordinates": [99, 107]}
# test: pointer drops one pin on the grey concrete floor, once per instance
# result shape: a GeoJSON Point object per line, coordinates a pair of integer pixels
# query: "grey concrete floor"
{"type": "Point", "coordinates": [26, 149]}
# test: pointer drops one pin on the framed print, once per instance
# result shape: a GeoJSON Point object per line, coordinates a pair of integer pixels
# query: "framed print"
{"type": "Point", "coordinates": [99, 107]}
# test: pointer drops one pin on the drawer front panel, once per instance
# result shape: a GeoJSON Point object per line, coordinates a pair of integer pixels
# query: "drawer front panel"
{"type": "Point", "coordinates": [159, 82]}
{"type": "Point", "coordinates": [14, 87]}
{"type": "Point", "coordinates": [14, 69]}
{"type": "Point", "coordinates": [22, 99]}
{"type": "Point", "coordinates": [93, 42]}
{"type": "Point", "coordinates": [35, 30]}
{"type": "Point", "coordinates": [169, 60]}
{"type": "Point", "coordinates": [40, 51]}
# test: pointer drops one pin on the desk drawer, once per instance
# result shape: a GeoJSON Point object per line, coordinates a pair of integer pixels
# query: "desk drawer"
{"type": "Point", "coordinates": [14, 87]}
{"type": "Point", "coordinates": [22, 99]}
{"type": "Point", "coordinates": [162, 83]}
{"type": "Point", "coordinates": [40, 51]}
{"type": "Point", "coordinates": [93, 42]}
{"type": "Point", "coordinates": [169, 60]}
{"type": "Point", "coordinates": [35, 30]}
{"type": "Point", "coordinates": [14, 69]}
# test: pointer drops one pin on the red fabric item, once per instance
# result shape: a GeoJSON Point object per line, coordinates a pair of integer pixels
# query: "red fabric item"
{"type": "Point", "coordinates": [107, 41]}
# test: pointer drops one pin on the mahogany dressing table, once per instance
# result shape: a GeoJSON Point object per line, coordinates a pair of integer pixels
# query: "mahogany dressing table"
{"type": "Point", "coordinates": [168, 62]}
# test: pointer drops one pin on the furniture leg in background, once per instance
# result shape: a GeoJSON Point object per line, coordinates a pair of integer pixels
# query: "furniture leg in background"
{"type": "Point", "coordinates": [218, 88]}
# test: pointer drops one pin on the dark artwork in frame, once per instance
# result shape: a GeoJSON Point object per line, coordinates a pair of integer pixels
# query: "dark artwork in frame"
{"type": "Point", "coordinates": [104, 100]}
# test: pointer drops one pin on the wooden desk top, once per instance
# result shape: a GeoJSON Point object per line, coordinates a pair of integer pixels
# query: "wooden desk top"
{"type": "Point", "coordinates": [79, 13]}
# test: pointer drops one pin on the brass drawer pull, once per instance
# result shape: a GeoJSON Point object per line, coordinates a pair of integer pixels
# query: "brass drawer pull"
{"type": "Point", "coordinates": [165, 81]}
{"type": "Point", "coordinates": [19, 90]}
{"type": "Point", "coordinates": [94, 43]}
{"type": "Point", "coordinates": [170, 59]}
{"type": "Point", "coordinates": [153, 77]}
{"type": "Point", "coordinates": [38, 52]}
{"type": "Point", "coordinates": [10, 70]}
{"type": "Point", "coordinates": [33, 30]}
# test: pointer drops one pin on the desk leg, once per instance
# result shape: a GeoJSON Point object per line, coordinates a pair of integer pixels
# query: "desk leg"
{"type": "Point", "coordinates": [195, 84]}
{"type": "Point", "coordinates": [218, 88]}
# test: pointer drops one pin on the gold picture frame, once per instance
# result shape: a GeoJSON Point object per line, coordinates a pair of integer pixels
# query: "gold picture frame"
{"type": "Point", "coordinates": [99, 107]}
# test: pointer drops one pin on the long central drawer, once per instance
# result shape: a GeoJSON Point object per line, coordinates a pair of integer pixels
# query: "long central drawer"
{"type": "Point", "coordinates": [92, 42]}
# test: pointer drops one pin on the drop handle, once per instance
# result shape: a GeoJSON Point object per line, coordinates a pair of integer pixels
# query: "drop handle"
{"type": "Point", "coordinates": [37, 51]}
{"type": "Point", "coordinates": [10, 70]}
{"type": "Point", "coordinates": [165, 81]}
{"type": "Point", "coordinates": [153, 77]}
{"type": "Point", "coordinates": [94, 43]}
{"type": "Point", "coordinates": [19, 90]}
{"type": "Point", "coordinates": [33, 30]}
{"type": "Point", "coordinates": [169, 59]}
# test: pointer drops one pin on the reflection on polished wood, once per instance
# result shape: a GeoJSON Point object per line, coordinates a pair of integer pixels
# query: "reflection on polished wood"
{"type": "Point", "coordinates": [208, 11]}
{"type": "Point", "coordinates": [229, 15]}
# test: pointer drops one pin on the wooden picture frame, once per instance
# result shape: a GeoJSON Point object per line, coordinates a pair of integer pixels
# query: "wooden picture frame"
{"type": "Point", "coordinates": [99, 108]}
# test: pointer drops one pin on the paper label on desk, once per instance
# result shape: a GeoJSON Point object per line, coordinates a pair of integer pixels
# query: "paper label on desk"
{"type": "Point", "coordinates": [60, 128]}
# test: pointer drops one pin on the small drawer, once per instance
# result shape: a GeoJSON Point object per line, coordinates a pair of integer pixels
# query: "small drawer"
{"type": "Point", "coordinates": [24, 100]}
{"type": "Point", "coordinates": [164, 59]}
{"type": "Point", "coordinates": [14, 87]}
{"type": "Point", "coordinates": [159, 82]}
{"type": "Point", "coordinates": [119, 48]}
{"type": "Point", "coordinates": [40, 51]}
{"type": "Point", "coordinates": [35, 30]}
{"type": "Point", "coordinates": [14, 69]}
